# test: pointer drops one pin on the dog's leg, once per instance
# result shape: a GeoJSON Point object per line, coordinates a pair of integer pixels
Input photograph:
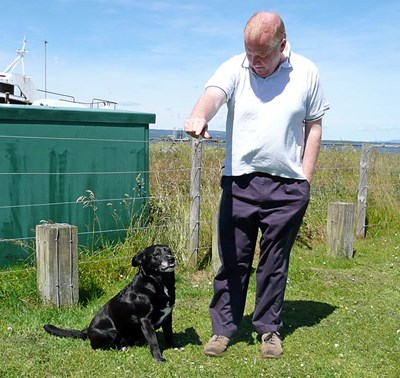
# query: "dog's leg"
{"type": "Point", "coordinates": [151, 337]}
{"type": "Point", "coordinates": [105, 339]}
{"type": "Point", "coordinates": [167, 331]}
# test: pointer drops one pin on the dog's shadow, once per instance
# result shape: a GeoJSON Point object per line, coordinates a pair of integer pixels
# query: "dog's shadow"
{"type": "Point", "coordinates": [297, 314]}
{"type": "Point", "coordinates": [181, 339]}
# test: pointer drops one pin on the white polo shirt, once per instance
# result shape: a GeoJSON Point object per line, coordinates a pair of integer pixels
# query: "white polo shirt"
{"type": "Point", "coordinates": [265, 120]}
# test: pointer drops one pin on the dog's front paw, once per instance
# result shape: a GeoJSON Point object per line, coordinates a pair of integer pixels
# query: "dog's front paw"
{"type": "Point", "coordinates": [160, 359]}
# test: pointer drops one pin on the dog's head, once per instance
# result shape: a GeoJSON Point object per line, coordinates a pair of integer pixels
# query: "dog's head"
{"type": "Point", "coordinates": [155, 259]}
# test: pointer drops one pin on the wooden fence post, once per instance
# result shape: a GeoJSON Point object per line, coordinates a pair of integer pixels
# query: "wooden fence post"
{"type": "Point", "coordinates": [195, 200]}
{"type": "Point", "coordinates": [340, 229]}
{"type": "Point", "coordinates": [215, 260]}
{"type": "Point", "coordinates": [57, 263]}
{"type": "Point", "coordinates": [363, 191]}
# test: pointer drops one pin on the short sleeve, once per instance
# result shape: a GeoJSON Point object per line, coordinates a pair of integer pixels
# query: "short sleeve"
{"type": "Point", "coordinates": [317, 104]}
{"type": "Point", "coordinates": [225, 77]}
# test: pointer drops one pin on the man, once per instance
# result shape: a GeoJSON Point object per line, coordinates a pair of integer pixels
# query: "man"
{"type": "Point", "coordinates": [273, 127]}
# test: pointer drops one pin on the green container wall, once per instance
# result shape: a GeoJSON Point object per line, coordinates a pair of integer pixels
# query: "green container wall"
{"type": "Point", "coordinates": [52, 156]}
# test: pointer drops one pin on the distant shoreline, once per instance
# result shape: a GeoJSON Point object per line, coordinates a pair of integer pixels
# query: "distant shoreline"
{"type": "Point", "coordinates": [221, 135]}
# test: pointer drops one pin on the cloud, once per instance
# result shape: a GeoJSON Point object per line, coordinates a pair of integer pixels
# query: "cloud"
{"type": "Point", "coordinates": [155, 56]}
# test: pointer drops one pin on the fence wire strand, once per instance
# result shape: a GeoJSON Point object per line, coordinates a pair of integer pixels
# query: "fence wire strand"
{"type": "Point", "coordinates": [392, 172]}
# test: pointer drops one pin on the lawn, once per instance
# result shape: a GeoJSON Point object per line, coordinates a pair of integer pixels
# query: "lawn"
{"type": "Point", "coordinates": [341, 316]}
{"type": "Point", "coordinates": [341, 320]}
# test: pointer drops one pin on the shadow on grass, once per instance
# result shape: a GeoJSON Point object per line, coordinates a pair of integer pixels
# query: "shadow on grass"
{"type": "Point", "coordinates": [188, 337]}
{"type": "Point", "coordinates": [89, 293]}
{"type": "Point", "coordinates": [296, 314]}
{"type": "Point", "coordinates": [299, 314]}
{"type": "Point", "coordinates": [181, 339]}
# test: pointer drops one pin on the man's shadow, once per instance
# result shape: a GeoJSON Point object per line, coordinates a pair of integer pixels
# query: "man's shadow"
{"type": "Point", "coordinates": [296, 314]}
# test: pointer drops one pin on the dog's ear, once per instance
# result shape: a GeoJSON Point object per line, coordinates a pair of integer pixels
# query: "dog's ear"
{"type": "Point", "coordinates": [138, 258]}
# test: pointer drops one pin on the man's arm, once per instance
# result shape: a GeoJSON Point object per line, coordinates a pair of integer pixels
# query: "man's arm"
{"type": "Point", "coordinates": [312, 144]}
{"type": "Point", "coordinates": [205, 109]}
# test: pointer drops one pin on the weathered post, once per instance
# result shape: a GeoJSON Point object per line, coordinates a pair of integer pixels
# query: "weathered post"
{"type": "Point", "coordinates": [340, 229]}
{"type": "Point", "coordinates": [363, 191]}
{"type": "Point", "coordinates": [195, 200]}
{"type": "Point", "coordinates": [215, 260]}
{"type": "Point", "coordinates": [57, 263]}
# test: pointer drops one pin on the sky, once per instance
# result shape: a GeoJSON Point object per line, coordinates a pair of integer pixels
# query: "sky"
{"type": "Point", "coordinates": [155, 56]}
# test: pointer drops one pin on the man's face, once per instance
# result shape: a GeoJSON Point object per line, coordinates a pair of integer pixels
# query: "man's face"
{"type": "Point", "coordinates": [262, 59]}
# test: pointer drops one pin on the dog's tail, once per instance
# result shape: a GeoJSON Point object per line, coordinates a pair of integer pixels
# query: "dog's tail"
{"type": "Point", "coordinates": [60, 332]}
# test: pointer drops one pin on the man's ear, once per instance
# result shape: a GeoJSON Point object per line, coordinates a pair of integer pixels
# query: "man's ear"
{"type": "Point", "coordinates": [283, 44]}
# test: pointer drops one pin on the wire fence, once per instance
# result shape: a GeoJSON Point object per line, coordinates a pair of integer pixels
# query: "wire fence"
{"type": "Point", "coordinates": [336, 179]}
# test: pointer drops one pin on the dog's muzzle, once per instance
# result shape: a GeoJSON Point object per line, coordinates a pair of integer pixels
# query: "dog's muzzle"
{"type": "Point", "coordinates": [168, 265]}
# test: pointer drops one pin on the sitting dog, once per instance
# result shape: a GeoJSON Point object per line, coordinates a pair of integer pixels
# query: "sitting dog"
{"type": "Point", "coordinates": [138, 309]}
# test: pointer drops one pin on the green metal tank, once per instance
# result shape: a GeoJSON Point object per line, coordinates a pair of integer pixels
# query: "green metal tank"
{"type": "Point", "coordinates": [84, 167]}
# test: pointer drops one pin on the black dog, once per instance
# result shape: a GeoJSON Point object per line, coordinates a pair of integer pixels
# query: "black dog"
{"type": "Point", "coordinates": [137, 310]}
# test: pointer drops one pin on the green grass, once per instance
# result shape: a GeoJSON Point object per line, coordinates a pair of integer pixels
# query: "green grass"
{"type": "Point", "coordinates": [341, 320]}
{"type": "Point", "coordinates": [341, 317]}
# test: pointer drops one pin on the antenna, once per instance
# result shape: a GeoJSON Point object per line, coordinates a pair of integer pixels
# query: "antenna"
{"type": "Point", "coordinates": [45, 68]}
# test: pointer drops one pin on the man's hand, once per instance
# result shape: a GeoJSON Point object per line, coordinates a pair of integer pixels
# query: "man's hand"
{"type": "Point", "coordinates": [204, 110]}
{"type": "Point", "coordinates": [196, 127]}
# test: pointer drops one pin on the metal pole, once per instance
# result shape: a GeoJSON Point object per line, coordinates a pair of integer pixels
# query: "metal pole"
{"type": "Point", "coordinates": [45, 69]}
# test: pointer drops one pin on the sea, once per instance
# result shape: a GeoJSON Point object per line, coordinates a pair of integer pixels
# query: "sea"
{"type": "Point", "coordinates": [219, 137]}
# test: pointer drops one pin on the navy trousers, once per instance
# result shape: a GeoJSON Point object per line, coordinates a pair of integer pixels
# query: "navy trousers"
{"type": "Point", "coordinates": [249, 204]}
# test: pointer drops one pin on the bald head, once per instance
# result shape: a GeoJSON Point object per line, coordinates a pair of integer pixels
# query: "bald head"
{"type": "Point", "coordinates": [264, 42]}
{"type": "Point", "coordinates": [265, 28]}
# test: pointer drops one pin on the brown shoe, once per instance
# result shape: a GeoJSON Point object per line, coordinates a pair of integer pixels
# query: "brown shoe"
{"type": "Point", "coordinates": [271, 346]}
{"type": "Point", "coordinates": [216, 346]}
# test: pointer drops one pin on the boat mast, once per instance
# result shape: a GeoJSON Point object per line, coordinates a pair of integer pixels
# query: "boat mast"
{"type": "Point", "coordinates": [20, 58]}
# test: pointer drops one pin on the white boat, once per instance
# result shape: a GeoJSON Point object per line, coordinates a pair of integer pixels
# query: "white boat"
{"type": "Point", "coordinates": [19, 89]}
